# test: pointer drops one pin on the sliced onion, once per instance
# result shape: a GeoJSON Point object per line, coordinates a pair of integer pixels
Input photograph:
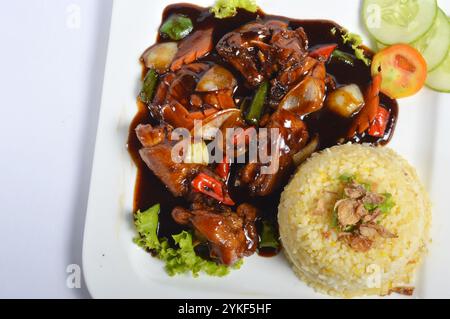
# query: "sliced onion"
{"type": "Point", "coordinates": [197, 153]}
{"type": "Point", "coordinates": [215, 79]}
{"type": "Point", "coordinates": [160, 56]}
{"type": "Point", "coordinates": [345, 101]}
{"type": "Point", "coordinates": [212, 124]}
{"type": "Point", "coordinates": [306, 97]}
{"type": "Point", "coordinates": [307, 151]}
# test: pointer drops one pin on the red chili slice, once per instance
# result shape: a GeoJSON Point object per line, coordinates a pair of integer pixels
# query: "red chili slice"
{"type": "Point", "coordinates": [378, 127]}
{"type": "Point", "coordinates": [211, 187]}
{"type": "Point", "coordinates": [223, 169]}
{"type": "Point", "coordinates": [323, 52]}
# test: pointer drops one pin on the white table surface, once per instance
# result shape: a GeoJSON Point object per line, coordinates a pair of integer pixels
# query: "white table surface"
{"type": "Point", "coordinates": [52, 57]}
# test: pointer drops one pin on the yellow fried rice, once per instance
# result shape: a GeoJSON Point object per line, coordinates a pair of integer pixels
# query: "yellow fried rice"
{"type": "Point", "coordinates": [330, 265]}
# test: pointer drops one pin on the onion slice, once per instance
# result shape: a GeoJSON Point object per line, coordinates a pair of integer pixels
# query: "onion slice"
{"type": "Point", "coordinates": [306, 97]}
{"type": "Point", "coordinates": [160, 56]}
{"type": "Point", "coordinates": [212, 124]}
{"type": "Point", "coordinates": [215, 79]}
{"type": "Point", "coordinates": [197, 153]}
{"type": "Point", "coordinates": [345, 101]}
{"type": "Point", "coordinates": [307, 151]}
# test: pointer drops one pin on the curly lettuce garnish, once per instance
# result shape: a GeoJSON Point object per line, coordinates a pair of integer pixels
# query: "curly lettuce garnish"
{"type": "Point", "coordinates": [356, 41]}
{"type": "Point", "coordinates": [180, 260]}
{"type": "Point", "coordinates": [228, 8]}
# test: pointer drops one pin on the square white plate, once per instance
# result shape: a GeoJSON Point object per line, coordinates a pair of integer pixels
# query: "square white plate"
{"type": "Point", "coordinates": [114, 267]}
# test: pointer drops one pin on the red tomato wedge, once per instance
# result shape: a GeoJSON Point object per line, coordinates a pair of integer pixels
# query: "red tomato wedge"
{"type": "Point", "coordinates": [403, 70]}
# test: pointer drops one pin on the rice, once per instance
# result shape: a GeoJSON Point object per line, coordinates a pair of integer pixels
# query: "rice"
{"type": "Point", "coordinates": [329, 264]}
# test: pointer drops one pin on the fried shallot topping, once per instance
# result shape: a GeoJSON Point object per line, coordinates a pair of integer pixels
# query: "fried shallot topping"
{"type": "Point", "coordinates": [407, 291]}
{"type": "Point", "coordinates": [357, 215]}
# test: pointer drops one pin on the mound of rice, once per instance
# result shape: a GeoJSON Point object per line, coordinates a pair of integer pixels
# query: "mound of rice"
{"type": "Point", "coordinates": [330, 265]}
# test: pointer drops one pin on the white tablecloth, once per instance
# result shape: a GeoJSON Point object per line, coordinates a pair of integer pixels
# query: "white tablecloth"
{"type": "Point", "coordinates": [52, 58]}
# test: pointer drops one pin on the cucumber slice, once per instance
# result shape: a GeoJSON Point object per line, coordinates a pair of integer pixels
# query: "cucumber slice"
{"type": "Point", "coordinates": [399, 21]}
{"type": "Point", "coordinates": [435, 43]}
{"type": "Point", "coordinates": [381, 46]}
{"type": "Point", "coordinates": [439, 79]}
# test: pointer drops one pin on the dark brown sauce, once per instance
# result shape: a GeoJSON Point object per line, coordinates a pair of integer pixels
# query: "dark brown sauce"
{"type": "Point", "coordinates": [149, 190]}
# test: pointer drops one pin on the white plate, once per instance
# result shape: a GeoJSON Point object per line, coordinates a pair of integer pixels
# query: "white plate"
{"type": "Point", "coordinates": [116, 268]}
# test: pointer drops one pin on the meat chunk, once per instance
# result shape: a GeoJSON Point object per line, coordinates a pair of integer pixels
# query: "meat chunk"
{"type": "Point", "coordinates": [176, 176]}
{"type": "Point", "coordinates": [288, 78]}
{"type": "Point", "coordinates": [178, 103]}
{"type": "Point", "coordinates": [258, 50]}
{"type": "Point", "coordinates": [150, 136]}
{"type": "Point", "coordinates": [230, 235]}
{"type": "Point", "coordinates": [182, 179]}
{"type": "Point", "coordinates": [158, 157]}
{"type": "Point", "coordinates": [195, 46]}
{"type": "Point", "coordinates": [293, 136]}
{"type": "Point", "coordinates": [237, 49]}
{"type": "Point", "coordinates": [290, 46]}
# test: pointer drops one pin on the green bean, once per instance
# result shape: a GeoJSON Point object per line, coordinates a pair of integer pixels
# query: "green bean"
{"type": "Point", "coordinates": [257, 107]}
{"type": "Point", "coordinates": [177, 27]}
{"type": "Point", "coordinates": [148, 88]}
{"type": "Point", "coordinates": [268, 237]}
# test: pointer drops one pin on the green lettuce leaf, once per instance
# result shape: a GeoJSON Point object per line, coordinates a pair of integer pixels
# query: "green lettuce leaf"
{"type": "Point", "coordinates": [179, 260]}
{"type": "Point", "coordinates": [147, 227]}
{"type": "Point", "coordinates": [228, 8]}
{"type": "Point", "coordinates": [356, 41]}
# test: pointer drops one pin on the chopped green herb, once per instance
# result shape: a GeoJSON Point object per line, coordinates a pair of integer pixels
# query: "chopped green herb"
{"type": "Point", "coordinates": [180, 260]}
{"type": "Point", "coordinates": [388, 203]}
{"type": "Point", "coordinates": [355, 41]}
{"type": "Point", "coordinates": [385, 207]}
{"type": "Point", "coordinates": [343, 57]}
{"type": "Point", "coordinates": [333, 31]}
{"type": "Point", "coordinates": [228, 8]}
{"type": "Point", "coordinates": [346, 178]}
{"type": "Point", "coordinates": [334, 219]}
{"type": "Point", "coordinates": [268, 237]}
{"type": "Point", "coordinates": [177, 27]}
{"type": "Point", "coordinates": [370, 207]}
{"type": "Point", "coordinates": [367, 187]}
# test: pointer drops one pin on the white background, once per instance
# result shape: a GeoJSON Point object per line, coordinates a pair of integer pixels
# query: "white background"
{"type": "Point", "coordinates": [51, 75]}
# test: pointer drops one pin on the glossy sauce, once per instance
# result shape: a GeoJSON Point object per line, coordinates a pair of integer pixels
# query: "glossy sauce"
{"type": "Point", "coordinates": [330, 127]}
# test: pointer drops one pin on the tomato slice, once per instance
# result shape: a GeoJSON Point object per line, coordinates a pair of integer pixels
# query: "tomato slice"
{"type": "Point", "coordinates": [403, 70]}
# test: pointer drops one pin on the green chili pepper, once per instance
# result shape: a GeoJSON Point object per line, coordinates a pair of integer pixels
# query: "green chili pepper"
{"type": "Point", "coordinates": [177, 27]}
{"type": "Point", "coordinates": [257, 107]}
{"type": "Point", "coordinates": [343, 57]}
{"type": "Point", "coordinates": [148, 88]}
{"type": "Point", "coordinates": [268, 237]}
{"type": "Point", "coordinates": [244, 104]}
